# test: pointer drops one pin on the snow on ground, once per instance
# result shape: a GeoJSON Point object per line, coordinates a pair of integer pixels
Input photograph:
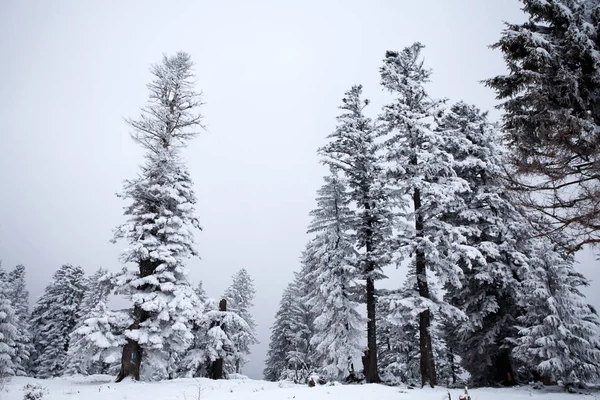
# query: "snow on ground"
{"type": "Point", "coordinates": [101, 387]}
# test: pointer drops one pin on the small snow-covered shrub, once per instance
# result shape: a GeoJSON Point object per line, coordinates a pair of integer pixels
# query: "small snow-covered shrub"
{"type": "Point", "coordinates": [33, 391]}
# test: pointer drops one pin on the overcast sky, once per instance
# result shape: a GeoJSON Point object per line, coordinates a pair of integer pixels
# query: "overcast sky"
{"type": "Point", "coordinates": [273, 74]}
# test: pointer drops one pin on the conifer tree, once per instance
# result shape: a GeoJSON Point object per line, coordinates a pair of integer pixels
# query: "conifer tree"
{"type": "Point", "coordinates": [352, 150]}
{"type": "Point", "coordinates": [552, 113]}
{"type": "Point", "coordinates": [19, 297]}
{"type": "Point", "coordinates": [201, 293]}
{"type": "Point", "coordinates": [8, 330]}
{"type": "Point", "coordinates": [82, 345]}
{"type": "Point", "coordinates": [239, 297]}
{"type": "Point", "coordinates": [421, 169]}
{"type": "Point", "coordinates": [338, 326]}
{"type": "Point", "coordinates": [160, 223]}
{"type": "Point", "coordinates": [53, 319]}
{"type": "Point", "coordinates": [558, 337]}
{"type": "Point", "coordinates": [491, 251]}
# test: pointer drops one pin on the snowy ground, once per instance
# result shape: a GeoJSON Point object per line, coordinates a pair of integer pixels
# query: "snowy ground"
{"type": "Point", "coordinates": [102, 387]}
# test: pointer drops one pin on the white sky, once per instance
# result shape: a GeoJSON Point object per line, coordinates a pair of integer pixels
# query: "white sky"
{"type": "Point", "coordinates": [273, 74]}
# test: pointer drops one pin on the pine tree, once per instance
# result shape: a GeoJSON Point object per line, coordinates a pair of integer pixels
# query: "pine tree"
{"type": "Point", "coordinates": [552, 112]}
{"type": "Point", "coordinates": [9, 330]}
{"type": "Point", "coordinates": [19, 297]}
{"type": "Point", "coordinates": [558, 336]}
{"type": "Point", "coordinates": [160, 223]}
{"type": "Point", "coordinates": [82, 346]}
{"type": "Point", "coordinates": [282, 337]}
{"type": "Point", "coordinates": [239, 297]}
{"type": "Point", "coordinates": [53, 319]}
{"type": "Point", "coordinates": [201, 293]}
{"type": "Point", "coordinates": [422, 171]}
{"type": "Point", "coordinates": [338, 325]}
{"type": "Point", "coordinates": [352, 149]}
{"type": "Point", "coordinates": [491, 251]}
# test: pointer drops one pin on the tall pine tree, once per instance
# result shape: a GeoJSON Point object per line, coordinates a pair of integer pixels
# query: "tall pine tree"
{"type": "Point", "coordinates": [160, 223]}
{"type": "Point", "coordinates": [352, 149]}
{"type": "Point", "coordinates": [19, 297]}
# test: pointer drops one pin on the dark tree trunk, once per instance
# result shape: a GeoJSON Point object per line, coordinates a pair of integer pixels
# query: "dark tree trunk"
{"type": "Point", "coordinates": [504, 371]}
{"type": "Point", "coordinates": [427, 362]}
{"type": "Point", "coordinates": [216, 369]}
{"type": "Point", "coordinates": [371, 373]}
{"type": "Point", "coordinates": [131, 358]}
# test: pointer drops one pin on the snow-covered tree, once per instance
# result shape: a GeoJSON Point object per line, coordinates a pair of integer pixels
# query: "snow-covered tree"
{"type": "Point", "coordinates": [9, 330]}
{"type": "Point", "coordinates": [491, 250]}
{"type": "Point", "coordinates": [352, 150]}
{"type": "Point", "coordinates": [338, 327]}
{"type": "Point", "coordinates": [239, 296]}
{"type": "Point", "coordinates": [552, 112]}
{"type": "Point", "coordinates": [558, 337]}
{"type": "Point", "coordinates": [19, 297]}
{"type": "Point", "coordinates": [161, 219]}
{"type": "Point", "coordinates": [82, 343]}
{"type": "Point", "coordinates": [421, 169]}
{"type": "Point", "coordinates": [201, 293]}
{"type": "Point", "coordinates": [53, 319]}
{"type": "Point", "coordinates": [290, 351]}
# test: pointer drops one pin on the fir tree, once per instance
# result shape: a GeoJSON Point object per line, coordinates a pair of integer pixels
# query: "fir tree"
{"type": "Point", "coordinates": [9, 330]}
{"type": "Point", "coordinates": [19, 297]}
{"type": "Point", "coordinates": [422, 171]}
{"type": "Point", "coordinates": [552, 112]}
{"type": "Point", "coordinates": [338, 325]}
{"type": "Point", "coordinates": [491, 250]}
{"type": "Point", "coordinates": [201, 293]}
{"type": "Point", "coordinates": [82, 347]}
{"type": "Point", "coordinates": [160, 223]}
{"type": "Point", "coordinates": [53, 319]}
{"type": "Point", "coordinates": [352, 149]}
{"type": "Point", "coordinates": [558, 336]}
{"type": "Point", "coordinates": [239, 297]}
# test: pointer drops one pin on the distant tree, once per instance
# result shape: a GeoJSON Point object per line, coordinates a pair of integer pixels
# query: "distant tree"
{"type": "Point", "coordinates": [422, 171]}
{"type": "Point", "coordinates": [201, 293]}
{"type": "Point", "coordinates": [353, 150]}
{"type": "Point", "coordinates": [83, 347]}
{"type": "Point", "coordinates": [53, 319]}
{"type": "Point", "coordinates": [552, 113]}
{"type": "Point", "coordinates": [240, 295]}
{"type": "Point", "coordinates": [338, 327]}
{"type": "Point", "coordinates": [161, 219]}
{"type": "Point", "coordinates": [19, 297]}
{"type": "Point", "coordinates": [558, 337]}
{"type": "Point", "coordinates": [9, 330]}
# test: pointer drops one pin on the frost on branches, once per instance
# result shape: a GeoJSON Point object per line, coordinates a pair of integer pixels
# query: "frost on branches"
{"type": "Point", "coordinates": [161, 220]}
{"type": "Point", "coordinates": [352, 150]}
{"type": "Point", "coordinates": [558, 336]}
{"type": "Point", "coordinates": [53, 319]}
{"type": "Point", "coordinates": [8, 330]}
{"type": "Point", "coordinates": [338, 327]}
{"type": "Point", "coordinates": [239, 296]}
{"type": "Point", "coordinates": [422, 171]}
{"type": "Point", "coordinates": [552, 113]}
{"type": "Point", "coordinates": [19, 297]}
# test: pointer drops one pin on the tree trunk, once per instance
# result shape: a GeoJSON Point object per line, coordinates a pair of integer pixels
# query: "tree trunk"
{"type": "Point", "coordinates": [504, 371]}
{"type": "Point", "coordinates": [371, 373]}
{"type": "Point", "coordinates": [131, 358]}
{"type": "Point", "coordinates": [216, 369]}
{"type": "Point", "coordinates": [427, 362]}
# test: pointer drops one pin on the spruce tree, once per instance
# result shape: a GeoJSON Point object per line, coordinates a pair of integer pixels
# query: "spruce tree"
{"type": "Point", "coordinates": [239, 297]}
{"type": "Point", "coordinates": [160, 223]}
{"type": "Point", "coordinates": [558, 336]}
{"type": "Point", "coordinates": [9, 330]}
{"type": "Point", "coordinates": [19, 297]}
{"type": "Point", "coordinates": [338, 326]}
{"type": "Point", "coordinates": [82, 345]}
{"type": "Point", "coordinates": [352, 149]}
{"type": "Point", "coordinates": [551, 104]}
{"type": "Point", "coordinates": [421, 169]}
{"type": "Point", "coordinates": [53, 319]}
{"type": "Point", "coordinates": [491, 251]}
